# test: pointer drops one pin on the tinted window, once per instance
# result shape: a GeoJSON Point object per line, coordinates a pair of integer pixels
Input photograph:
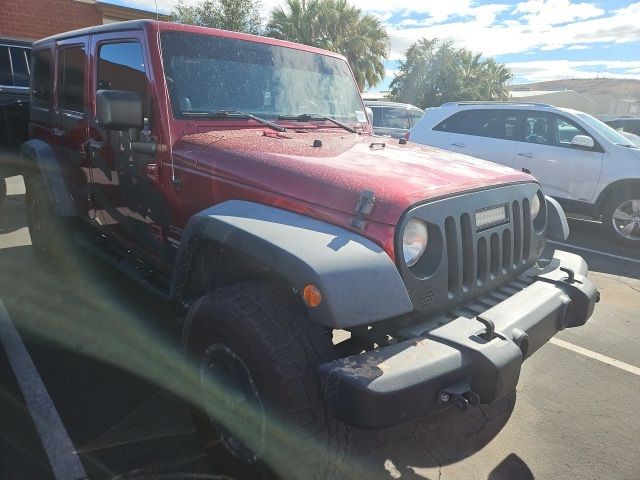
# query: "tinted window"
{"type": "Point", "coordinates": [20, 64]}
{"type": "Point", "coordinates": [5, 67]}
{"type": "Point", "coordinates": [377, 116]}
{"type": "Point", "coordinates": [72, 78]}
{"type": "Point", "coordinates": [482, 123]}
{"type": "Point", "coordinates": [42, 78]}
{"type": "Point", "coordinates": [121, 67]}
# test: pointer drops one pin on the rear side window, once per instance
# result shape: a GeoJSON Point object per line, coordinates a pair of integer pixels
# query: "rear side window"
{"type": "Point", "coordinates": [42, 78]}
{"type": "Point", "coordinates": [395, 118]}
{"type": "Point", "coordinates": [121, 67]}
{"type": "Point", "coordinates": [482, 123]}
{"type": "Point", "coordinates": [71, 64]}
{"type": "Point", "coordinates": [14, 66]}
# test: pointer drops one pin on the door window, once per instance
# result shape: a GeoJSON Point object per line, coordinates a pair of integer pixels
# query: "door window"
{"type": "Point", "coordinates": [482, 123]}
{"type": "Point", "coordinates": [42, 78]}
{"type": "Point", "coordinates": [551, 129]}
{"type": "Point", "coordinates": [14, 66]}
{"type": "Point", "coordinates": [395, 118]}
{"type": "Point", "coordinates": [71, 70]}
{"type": "Point", "coordinates": [121, 67]}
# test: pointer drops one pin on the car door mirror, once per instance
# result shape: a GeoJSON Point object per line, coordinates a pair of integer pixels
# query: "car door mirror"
{"type": "Point", "coordinates": [583, 141]}
{"type": "Point", "coordinates": [119, 110]}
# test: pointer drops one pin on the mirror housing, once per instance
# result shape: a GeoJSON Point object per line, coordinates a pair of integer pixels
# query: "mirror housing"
{"type": "Point", "coordinates": [584, 141]}
{"type": "Point", "coordinates": [119, 110]}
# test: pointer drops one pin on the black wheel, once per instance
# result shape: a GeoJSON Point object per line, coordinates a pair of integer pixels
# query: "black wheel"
{"type": "Point", "coordinates": [51, 235]}
{"type": "Point", "coordinates": [3, 189]}
{"type": "Point", "coordinates": [621, 218]}
{"type": "Point", "coordinates": [259, 407]}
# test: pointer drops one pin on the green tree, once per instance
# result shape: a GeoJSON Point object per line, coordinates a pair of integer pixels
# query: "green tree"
{"type": "Point", "coordinates": [435, 72]}
{"type": "Point", "coordinates": [337, 26]}
{"type": "Point", "coordinates": [236, 15]}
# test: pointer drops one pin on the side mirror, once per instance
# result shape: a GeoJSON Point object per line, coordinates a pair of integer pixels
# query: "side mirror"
{"type": "Point", "coordinates": [119, 110]}
{"type": "Point", "coordinates": [584, 141]}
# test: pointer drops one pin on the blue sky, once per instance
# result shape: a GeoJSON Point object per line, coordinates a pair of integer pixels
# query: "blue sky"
{"type": "Point", "coordinates": [538, 39]}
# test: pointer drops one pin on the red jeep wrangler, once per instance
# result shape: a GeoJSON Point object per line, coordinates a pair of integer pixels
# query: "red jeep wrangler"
{"type": "Point", "coordinates": [237, 176]}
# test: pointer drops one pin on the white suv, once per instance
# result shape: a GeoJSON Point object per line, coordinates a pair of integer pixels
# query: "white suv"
{"type": "Point", "coordinates": [590, 168]}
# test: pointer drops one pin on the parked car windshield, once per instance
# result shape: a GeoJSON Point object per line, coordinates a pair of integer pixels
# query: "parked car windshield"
{"type": "Point", "coordinates": [611, 134]}
{"type": "Point", "coordinates": [210, 74]}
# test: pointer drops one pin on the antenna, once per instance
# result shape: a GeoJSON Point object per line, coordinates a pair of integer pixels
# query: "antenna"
{"type": "Point", "coordinates": [156, 10]}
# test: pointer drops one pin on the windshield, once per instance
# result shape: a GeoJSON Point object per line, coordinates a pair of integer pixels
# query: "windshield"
{"type": "Point", "coordinates": [209, 74]}
{"type": "Point", "coordinates": [606, 131]}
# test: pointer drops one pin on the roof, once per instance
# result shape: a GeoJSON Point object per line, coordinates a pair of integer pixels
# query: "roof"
{"type": "Point", "coordinates": [534, 93]}
{"type": "Point", "coordinates": [382, 103]}
{"type": "Point", "coordinates": [169, 26]}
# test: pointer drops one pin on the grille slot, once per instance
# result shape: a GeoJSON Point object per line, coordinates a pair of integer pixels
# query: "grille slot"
{"type": "Point", "coordinates": [495, 255]}
{"type": "Point", "coordinates": [506, 250]}
{"type": "Point", "coordinates": [468, 258]}
{"type": "Point", "coordinates": [483, 260]}
{"type": "Point", "coordinates": [517, 234]}
{"type": "Point", "coordinates": [453, 255]}
{"type": "Point", "coordinates": [526, 220]}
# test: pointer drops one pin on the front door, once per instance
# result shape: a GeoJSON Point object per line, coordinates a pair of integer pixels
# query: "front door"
{"type": "Point", "coordinates": [564, 170]}
{"type": "Point", "coordinates": [126, 184]}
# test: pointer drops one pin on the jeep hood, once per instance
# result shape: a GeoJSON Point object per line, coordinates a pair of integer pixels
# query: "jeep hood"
{"type": "Point", "coordinates": [334, 174]}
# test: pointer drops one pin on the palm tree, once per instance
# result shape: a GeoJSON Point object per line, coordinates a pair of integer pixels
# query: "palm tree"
{"type": "Point", "coordinates": [337, 26]}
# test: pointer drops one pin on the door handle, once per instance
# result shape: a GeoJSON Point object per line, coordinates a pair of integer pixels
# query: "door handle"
{"type": "Point", "coordinates": [527, 154]}
{"type": "Point", "coordinates": [459, 144]}
{"type": "Point", "coordinates": [58, 132]}
{"type": "Point", "coordinates": [94, 144]}
{"type": "Point", "coordinates": [526, 170]}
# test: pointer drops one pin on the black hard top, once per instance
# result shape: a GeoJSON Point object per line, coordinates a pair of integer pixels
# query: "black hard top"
{"type": "Point", "coordinates": [109, 27]}
{"type": "Point", "coordinates": [18, 42]}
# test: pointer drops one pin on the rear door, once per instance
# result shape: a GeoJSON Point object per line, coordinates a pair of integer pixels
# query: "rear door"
{"type": "Point", "coordinates": [564, 170]}
{"type": "Point", "coordinates": [69, 130]}
{"type": "Point", "coordinates": [489, 134]}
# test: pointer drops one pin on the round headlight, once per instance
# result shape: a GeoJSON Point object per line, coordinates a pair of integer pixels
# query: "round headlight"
{"type": "Point", "coordinates": [414, 241]}
{"type": "Point", "coordinates": [535, 206]}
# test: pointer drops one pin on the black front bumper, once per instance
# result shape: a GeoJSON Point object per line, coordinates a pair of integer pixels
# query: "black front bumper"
{"type": "Point", "coordinates": [461, 361]}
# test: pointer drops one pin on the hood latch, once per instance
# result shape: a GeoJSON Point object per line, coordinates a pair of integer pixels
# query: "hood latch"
{"type": "Point", "coordinates": [363, 209]}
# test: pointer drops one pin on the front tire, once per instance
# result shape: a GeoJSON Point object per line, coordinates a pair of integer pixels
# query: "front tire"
{"type": "Point", "coordinates": [621, 218]}
{"type": "Point", "coordinates": [51, 235]}
{"type": "Point", "coordinates": [260, 411]}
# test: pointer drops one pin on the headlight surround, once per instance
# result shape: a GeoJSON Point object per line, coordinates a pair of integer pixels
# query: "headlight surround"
{"type": "Point", "coordinates": [535, 206]}
{"type": "Point", "coordinates": [414, 241]}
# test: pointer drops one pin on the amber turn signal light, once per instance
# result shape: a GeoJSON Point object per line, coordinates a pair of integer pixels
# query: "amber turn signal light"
{"type": "Point", "coordinates": [312, 296]}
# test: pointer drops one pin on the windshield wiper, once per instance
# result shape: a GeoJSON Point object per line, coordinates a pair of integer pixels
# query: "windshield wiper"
{"type": "Point", "coordinates": [306, 117]}
{"type": "Point", "coordinates": [234, 114]}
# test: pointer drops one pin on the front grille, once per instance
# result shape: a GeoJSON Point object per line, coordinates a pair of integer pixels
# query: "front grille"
{"type": "Point", "coordinates": [463, 262]}
{"type": "Point", "coordinates": [473, 261]}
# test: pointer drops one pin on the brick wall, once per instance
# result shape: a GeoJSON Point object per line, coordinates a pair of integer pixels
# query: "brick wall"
{"type": "Point", "coordinates": [35, 19]}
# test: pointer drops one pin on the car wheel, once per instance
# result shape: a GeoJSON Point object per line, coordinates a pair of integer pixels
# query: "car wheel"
{"type": "Point", "coordinates": [621, 217]}
{"type": "Point", "coordinates": [259, 410]}
{"type": "Point", "coordinates": [51, 235]}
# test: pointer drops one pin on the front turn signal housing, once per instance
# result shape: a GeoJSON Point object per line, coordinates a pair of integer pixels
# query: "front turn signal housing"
{"type": "Point", "coordinates": [312, 295]}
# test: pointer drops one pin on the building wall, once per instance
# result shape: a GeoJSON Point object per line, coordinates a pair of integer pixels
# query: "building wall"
{"type": "Point", "coordinates": [35, 19]}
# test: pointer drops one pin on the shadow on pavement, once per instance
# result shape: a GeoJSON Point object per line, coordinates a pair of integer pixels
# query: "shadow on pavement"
{"type": "Point", "coordinates": [12, 216]}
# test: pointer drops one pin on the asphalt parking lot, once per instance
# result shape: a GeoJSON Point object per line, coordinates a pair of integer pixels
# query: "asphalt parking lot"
{"type": "Point", "coordinates": [101, 346]}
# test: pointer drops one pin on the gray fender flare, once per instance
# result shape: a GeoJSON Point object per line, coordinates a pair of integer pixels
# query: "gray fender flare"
{"type": "Point", "coordinates": [359, 282]}
{"type": "Point", "coordinates": [36, 153]}
{"type": "Point", "coordinates": [557, 225]}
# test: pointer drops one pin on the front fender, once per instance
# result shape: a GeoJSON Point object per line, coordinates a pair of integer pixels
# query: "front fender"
{"type": "Point", "coordinates": [359, 282]}
{"type": "Point", "coordinates": [39, 156]}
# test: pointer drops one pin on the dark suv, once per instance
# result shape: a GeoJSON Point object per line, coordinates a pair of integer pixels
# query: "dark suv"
{"type": "Point", "coordinates": [237, 177]}
{"type": "Point", "coordinates": [14, 105]}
